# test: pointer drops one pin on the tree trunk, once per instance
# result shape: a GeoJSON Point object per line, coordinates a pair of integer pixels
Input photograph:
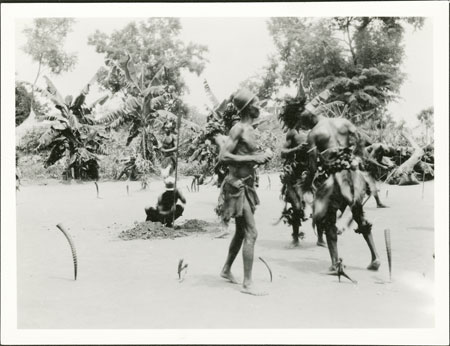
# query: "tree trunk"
{"type": "Point", "coordinates": [404, 171]}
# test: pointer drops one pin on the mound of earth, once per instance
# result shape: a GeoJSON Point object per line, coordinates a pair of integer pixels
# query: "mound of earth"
{"type": "Point", "coordinates": [156, 230]}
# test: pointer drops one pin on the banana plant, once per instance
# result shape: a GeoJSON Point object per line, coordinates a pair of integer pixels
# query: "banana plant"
{"type": "Point", "coordinates": [72, 134]}
{"type": "Point", "coordinates": [146, 104]}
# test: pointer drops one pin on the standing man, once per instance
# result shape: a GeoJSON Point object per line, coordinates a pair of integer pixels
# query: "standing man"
{"type": "Point", "coordinates": [295, 170]}
{"type": "Point", "coordinates": [238, 195]}
{"type": "Point", "coordinates": [336, 156]}
{"type": "Point", "coordinates": [168, 149]}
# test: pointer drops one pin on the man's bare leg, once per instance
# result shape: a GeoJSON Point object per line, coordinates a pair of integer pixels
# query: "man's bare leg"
{"type": "Point", "coordinates": [233, 250]}
{"type": "Point", "coordinates": [248, 252]}
{"type": "Point", "coordinates": [331, 235]}
{"type": "Point", "coordinates": [377, 199]}
{"type": "Point", "coordinates": [365, 228]}
{"type": "Point", "coordinates": [374, 192]}
{"type": "Point", "coordinates": [328, 225]}
{"type": "Point", "coordinates": [295, 229]}
{"type": "Point", "coordinates": [292, 198]}
{"type": "Point", "coordinates": [320, 241]}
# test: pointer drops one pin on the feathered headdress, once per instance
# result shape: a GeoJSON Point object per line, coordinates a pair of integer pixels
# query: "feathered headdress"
{"type": "Point", "coordinates": [293, 107]}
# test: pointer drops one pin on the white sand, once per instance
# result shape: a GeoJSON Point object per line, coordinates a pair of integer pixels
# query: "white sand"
{"type": "Point", "coordinates": [134, 284]}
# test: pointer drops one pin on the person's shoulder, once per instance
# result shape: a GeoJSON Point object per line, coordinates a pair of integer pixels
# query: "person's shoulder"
{"type": "Point", "coordinates": [236, 130]}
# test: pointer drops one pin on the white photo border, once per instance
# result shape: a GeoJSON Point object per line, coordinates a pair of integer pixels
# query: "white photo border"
{"type": "Point", "coordinates": [438, 11]}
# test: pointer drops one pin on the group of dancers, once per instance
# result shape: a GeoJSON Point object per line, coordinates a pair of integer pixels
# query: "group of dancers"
{"type": "Point", "coordinates": [325, 157]}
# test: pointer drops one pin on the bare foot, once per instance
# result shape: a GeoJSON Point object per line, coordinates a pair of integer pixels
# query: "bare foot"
{"type": "Point", "coordinates": [295, 243]}
{"type": "Point", "coordinates": [228, 276]}
{"type": "Point", "coordinates": [251, 289]}
{"type": "Point", "coordinates": [321, 243]}
{"type": "Point", "coordinates": [223, 235]}
{"type": "Point", "coordinates": [333, 270]}
{"type": "Point", "coordinates": [374, 265]}
{"type": "Point", "coordinates": [381, 205]}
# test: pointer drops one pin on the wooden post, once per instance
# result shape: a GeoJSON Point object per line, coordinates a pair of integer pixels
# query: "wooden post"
{"type": "Point", "coordinates": [176, 168]}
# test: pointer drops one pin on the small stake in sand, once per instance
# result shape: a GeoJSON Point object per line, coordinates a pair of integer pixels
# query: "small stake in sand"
{"type": "Point", "coordinates": [96, 187]}
{"type": "Point", "coordinates": [387, 238]}
{"type": "Point", "coordinates": [128, 190]}
{"type": "Point", "coordinates": [269, 187]}
{"type": "Point", "coordinates": [72, 247]}
{"type": "Point", "coordinates": [423, 183]}
{"type": "Point", "coordinates": [270, 271]}
{"type": "Point", "coordinates": [340, 272]}
{"type": "Point", "coordinates": [387, 192]}
{"type": "Point", "coordinates": [181, 267]}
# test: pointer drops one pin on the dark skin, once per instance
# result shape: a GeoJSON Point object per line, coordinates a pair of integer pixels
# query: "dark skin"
{"type": "Point", "coordinates": [327, 134]}
{"type": "Point", "coordinates": [294, 141]}
{"type": "Point", "coordinates": [180, 197]}
{"type": "Point", "coordinates": [375, 153]}
{"type": "Point", "coordinates": [168, 147]}
{"type": "Point", "coordinates": [241, 155]}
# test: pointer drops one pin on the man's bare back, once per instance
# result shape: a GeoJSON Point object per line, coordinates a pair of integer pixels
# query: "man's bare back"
{"type": "Point", "coordinates": [330, 134]}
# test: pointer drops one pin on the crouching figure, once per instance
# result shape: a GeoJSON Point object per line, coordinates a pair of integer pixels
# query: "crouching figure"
{"type": "Point", "coordinates": [167, 211]}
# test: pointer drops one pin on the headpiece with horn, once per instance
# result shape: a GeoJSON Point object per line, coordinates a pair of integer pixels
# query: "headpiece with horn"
{"type": "Point", "coordinates": [293, 107]}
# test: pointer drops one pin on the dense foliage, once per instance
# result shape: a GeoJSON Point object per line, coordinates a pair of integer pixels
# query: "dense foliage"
{"type": "Point", "coordinates": [153, 43]}
{"type": "Point", "coordinates": [358, 58]}
{"type": "Point", "coordinates": [72, 134]}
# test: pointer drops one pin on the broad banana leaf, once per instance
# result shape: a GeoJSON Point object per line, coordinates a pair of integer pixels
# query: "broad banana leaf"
{"type": "Point", "coordinates": [158, 102]}
{"type": "Point", "coordinates": [130, 71]}
{"type": "Point", "coordinates": [154, 90]}
{"type": "Point", "coordinates": [134, 132]}
{"type": "Point", "coordinates": [73, 121]}
{"type": "Point", "coordinates": [68, 100]}
{"type": "Point", "coordinates": [128, 107]}
{"type": "Point", "coordinates": [54, 99]}
{"type": "Point", "coordinates": [101, 101]}
{"type": "Point", "coordinates": [57, 152]}
{"type": "Point", "coordinates": [51, 89]}
{"type": "Point", "coordinates": [160, 76]}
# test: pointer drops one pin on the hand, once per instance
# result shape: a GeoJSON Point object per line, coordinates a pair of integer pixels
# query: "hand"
{"type": "Point", "coordinates": [268, 154]}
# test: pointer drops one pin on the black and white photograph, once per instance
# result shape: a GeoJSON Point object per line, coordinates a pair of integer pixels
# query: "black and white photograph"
{"type": "Point", "coordinates": [225, 173]}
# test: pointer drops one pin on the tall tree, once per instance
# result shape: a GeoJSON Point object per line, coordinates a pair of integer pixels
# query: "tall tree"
{"type": "Point", "coordinates": [154, 43]}
{"type": "Point", "coordinates": [45, 45]}
{"type": "Point", "coordinates": [359, 58]}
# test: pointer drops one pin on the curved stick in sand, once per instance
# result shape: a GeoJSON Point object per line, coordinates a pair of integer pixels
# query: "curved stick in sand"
{"type": "Point", "coordinates": [96, 187]}
{"type": "Point", "coordinates": [387, 239]}
{"type": "Point", "coordinates": [270, 271]}
{"type": "Point", "coordinates": [72, 247]}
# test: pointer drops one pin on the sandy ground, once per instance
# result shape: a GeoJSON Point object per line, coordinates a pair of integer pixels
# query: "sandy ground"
{"type": "Point", "coordinates": [134, 284]}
